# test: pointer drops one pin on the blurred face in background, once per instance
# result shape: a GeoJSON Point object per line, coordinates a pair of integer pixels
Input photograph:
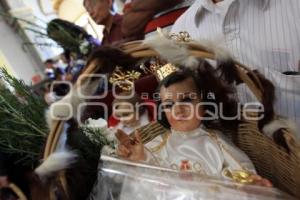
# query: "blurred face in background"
{"type": "Point", "coordinates": [49, 65]}
{"type": "Point", "coordinates": [99, 10]}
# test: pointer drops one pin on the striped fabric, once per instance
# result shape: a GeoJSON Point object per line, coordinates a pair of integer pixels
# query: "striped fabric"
{"type": "Point", "coordinates": [262, 34]}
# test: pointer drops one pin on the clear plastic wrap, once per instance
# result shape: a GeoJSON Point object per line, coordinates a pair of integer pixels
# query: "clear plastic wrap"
{"type": "Point", "coordinates": [122, 179]}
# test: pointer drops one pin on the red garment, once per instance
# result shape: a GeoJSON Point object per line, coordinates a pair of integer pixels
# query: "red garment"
{"type": "Point", "coordinates": [138, 13]}
{"type": "Point", "coordinates": [162, 21]}
{"type": "Point", "coordinates": [144, 16]}
{"type": "Point", "coordinates": [115, 34]}
{"type": "Point", "coordinates": [112, 122]}
{"type": "Point", "coordinates": [146, 84]}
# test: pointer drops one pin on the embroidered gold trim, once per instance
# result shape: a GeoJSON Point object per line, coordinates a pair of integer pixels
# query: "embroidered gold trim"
{"type": "Point", "coordinates": [240, 176]}
{"type": "Point", "coordinates": [161, 145]}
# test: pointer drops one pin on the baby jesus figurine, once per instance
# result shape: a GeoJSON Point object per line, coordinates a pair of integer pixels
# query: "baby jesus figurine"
{"type": "Point", "coordinates": [195, 142]}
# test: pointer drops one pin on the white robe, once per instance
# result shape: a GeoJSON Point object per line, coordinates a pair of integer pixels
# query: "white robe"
{"type": "Point", "coordinates": [199, 151]}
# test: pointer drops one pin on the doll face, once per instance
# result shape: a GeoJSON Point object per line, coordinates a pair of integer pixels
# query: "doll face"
{"type": "Point", "coordinates": [180, 102]}
{"type": "Point", "coordinates": [126, 113]}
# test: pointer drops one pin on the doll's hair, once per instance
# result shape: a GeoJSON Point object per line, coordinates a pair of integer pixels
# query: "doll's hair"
{"type": "Point", "coordinates": [207, 81]}
{"type": "Point", "coordinates": [133, 99]}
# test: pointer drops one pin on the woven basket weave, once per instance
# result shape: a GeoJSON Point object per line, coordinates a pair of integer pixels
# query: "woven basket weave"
{"type": "Point", "coordinates": [270, 160]}
{"type": "Point", "coordinates": [17, 191]}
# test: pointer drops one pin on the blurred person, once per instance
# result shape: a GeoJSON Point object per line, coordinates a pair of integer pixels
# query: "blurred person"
{"type": "Point", "coordinates": [58, 88]}
{"type": "Point", "coordinates": [71, 37]}
{"type": "Point", "coordinates": [49, 69]}
{"type": "Point", "coordinates": [142, 17]}
{"type": "Point", "coordinates": [49, 96]}
{"type": "Point", "coordinates": [102, 12]}
{"type": "Point", "coordinates": [261, 34]}
{"type": "Point", "coordinates": [75, 65]}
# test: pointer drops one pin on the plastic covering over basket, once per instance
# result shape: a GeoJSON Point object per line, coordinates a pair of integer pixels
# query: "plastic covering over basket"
{"type": "Point", "coordinates": [122, 179]}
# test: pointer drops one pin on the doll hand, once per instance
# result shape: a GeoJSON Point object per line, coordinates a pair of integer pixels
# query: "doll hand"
{"type": "Point", "coordinates": [258, 180]}
{"type": "Point", "coordinates": [4, 181]}
{"type": "Point", "coordinates": [137, 151]}
{"type": "Point", "coordinates": [131, 148]}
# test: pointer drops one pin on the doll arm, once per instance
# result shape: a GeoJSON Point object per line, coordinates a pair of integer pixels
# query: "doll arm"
{"type": "Point", "coordinates": [238, 166]}
{"type": "Point", "coordinates": [149, 153]}
{"type": "Point", "coordinates": [235, 159]}
{"type": "Point", "coordinates": [130, 148]}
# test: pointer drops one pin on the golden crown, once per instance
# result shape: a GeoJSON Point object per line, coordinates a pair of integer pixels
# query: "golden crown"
{"type": "Point", "coordinates": [182, 36]}
{"type": "Point", "coordinates": [124, 79]}
{"type": "Point", "coordinates": [159, 70]}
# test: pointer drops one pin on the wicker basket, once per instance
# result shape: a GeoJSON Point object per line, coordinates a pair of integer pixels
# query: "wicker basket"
{"type": "Point", "coordinates": [271, 161]}
{"type": "Point", "coordinates": [17, 191]}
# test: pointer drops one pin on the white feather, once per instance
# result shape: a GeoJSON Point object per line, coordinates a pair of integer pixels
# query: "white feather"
{"type": "Point", "coordinates": [277, 124]}
{"type": "Point", "coordinates": [171, 51]}
{"type": "Point", "coordinates": [217, 47]}
{"type": "Point", "coordinates": [178, 53]}
{"type": "Point", "coordinates": [291, 139]}
{"type": "Point", "coordinates": [55, 162]}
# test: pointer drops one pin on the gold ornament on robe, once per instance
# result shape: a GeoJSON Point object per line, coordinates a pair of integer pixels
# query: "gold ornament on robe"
{"type": "Point", "coordinates": [240, 176]}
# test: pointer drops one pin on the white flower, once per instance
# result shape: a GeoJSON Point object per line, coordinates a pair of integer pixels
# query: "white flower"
{"type": "Point", "coordinates": [84, 47]}
{"type": "Point", "coordinates": [96, 123]}
{"type": "Point", "coordinates": [98, 133]}
{"type": "Point", "coordinates": [107, 150]}
{"type": "Point", "coordinates": [111, 137]}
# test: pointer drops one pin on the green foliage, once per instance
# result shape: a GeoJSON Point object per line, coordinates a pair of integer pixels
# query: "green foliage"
{"type": "Point", "coordinates": [66, 34]}
{"type": "Point", "coordinates": [23, 130]}
{"type": "Point", "coordinates": [88, 150]}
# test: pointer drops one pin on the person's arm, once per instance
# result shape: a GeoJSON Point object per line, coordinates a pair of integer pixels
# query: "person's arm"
{"type": "Point", "coordinates": [140, 13]}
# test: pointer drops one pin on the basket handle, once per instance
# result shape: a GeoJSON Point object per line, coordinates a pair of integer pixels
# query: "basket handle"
{"type": "Point", "coordinates": [56, 131]}
{"type": "Point", "coordinates": [140, 50]}
{"type": "Point", "coordinates": [57, 125]}
{"type": "Point", "coordinates": [17, 191]}
{"type": "Point", "coordinates": [291, 142]}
